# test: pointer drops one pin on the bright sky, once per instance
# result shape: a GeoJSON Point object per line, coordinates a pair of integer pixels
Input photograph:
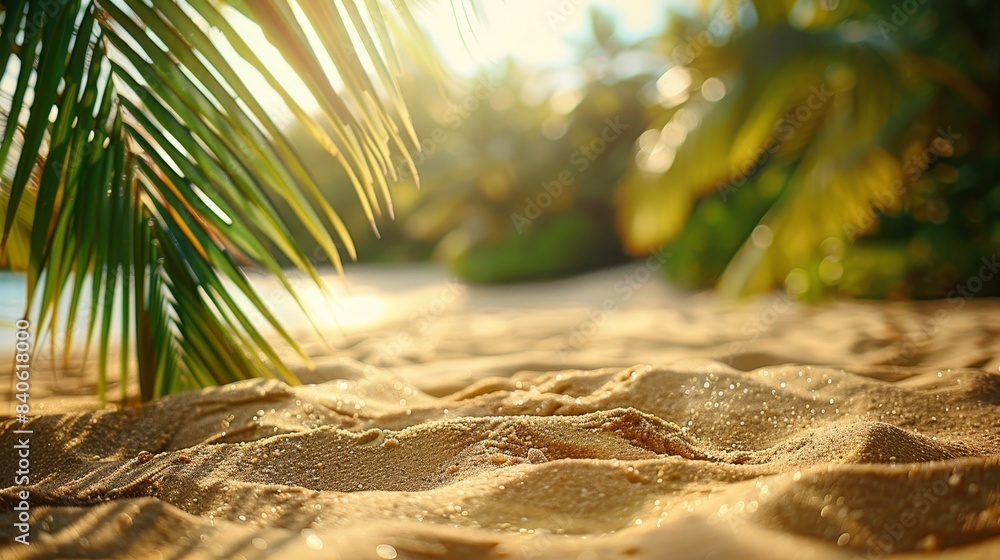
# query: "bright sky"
{"type": "Point", "coordinates": [540, 32]}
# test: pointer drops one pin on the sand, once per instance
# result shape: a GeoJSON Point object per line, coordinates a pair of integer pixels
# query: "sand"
{"type": "Point", "coordinates": [543, 422]}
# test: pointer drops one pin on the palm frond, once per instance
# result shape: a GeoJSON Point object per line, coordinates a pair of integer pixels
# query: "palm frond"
{"type": "Point", "coordinates": [141, 164]}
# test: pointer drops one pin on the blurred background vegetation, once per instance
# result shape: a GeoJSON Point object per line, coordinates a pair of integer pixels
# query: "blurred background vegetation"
{"type": "Point", "coordinates": [825, 147]}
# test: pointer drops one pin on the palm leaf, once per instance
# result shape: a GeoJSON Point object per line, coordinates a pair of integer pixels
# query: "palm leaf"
{"type": "Point", "coordinates": [145, 167]}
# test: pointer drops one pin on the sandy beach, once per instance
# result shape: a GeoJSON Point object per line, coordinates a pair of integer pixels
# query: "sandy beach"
{"type": "Point", "coordinates": [603, 416]}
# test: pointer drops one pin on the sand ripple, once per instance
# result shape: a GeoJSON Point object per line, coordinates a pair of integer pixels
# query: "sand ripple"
{"type": "Point", "coordinates": [611, 461]}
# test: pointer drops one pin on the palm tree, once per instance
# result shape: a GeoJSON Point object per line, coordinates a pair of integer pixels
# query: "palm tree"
{"type": "Point", "coordinates": [140, 167]}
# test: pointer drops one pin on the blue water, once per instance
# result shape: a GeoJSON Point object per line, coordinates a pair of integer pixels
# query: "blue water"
{"type": "Point", "coordinates": [13, 293]}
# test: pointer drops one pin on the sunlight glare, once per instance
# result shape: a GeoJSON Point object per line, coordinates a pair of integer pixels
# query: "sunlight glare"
{"type": "Point", "coordinates": [537, 33]}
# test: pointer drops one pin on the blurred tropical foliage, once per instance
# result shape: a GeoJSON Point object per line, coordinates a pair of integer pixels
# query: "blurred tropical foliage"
{"type": "Point", "coordinates": [517, 167]}
{"type": "Point", "coordinates": [140, 172]}
{"type": "Point", "coordinates": [824, 147]}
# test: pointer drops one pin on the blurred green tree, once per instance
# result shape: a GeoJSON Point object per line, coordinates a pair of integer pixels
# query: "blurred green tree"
{"type": "Point", "coordinates": [823, 146]}
{"type": "Point", "coordinates": [518, 166]}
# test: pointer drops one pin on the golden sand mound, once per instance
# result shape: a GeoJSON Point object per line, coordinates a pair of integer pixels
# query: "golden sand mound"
{"type": "Point", "coordinates": [683, 458]}
{"type": "Point", "coordinates": [611, 462]}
